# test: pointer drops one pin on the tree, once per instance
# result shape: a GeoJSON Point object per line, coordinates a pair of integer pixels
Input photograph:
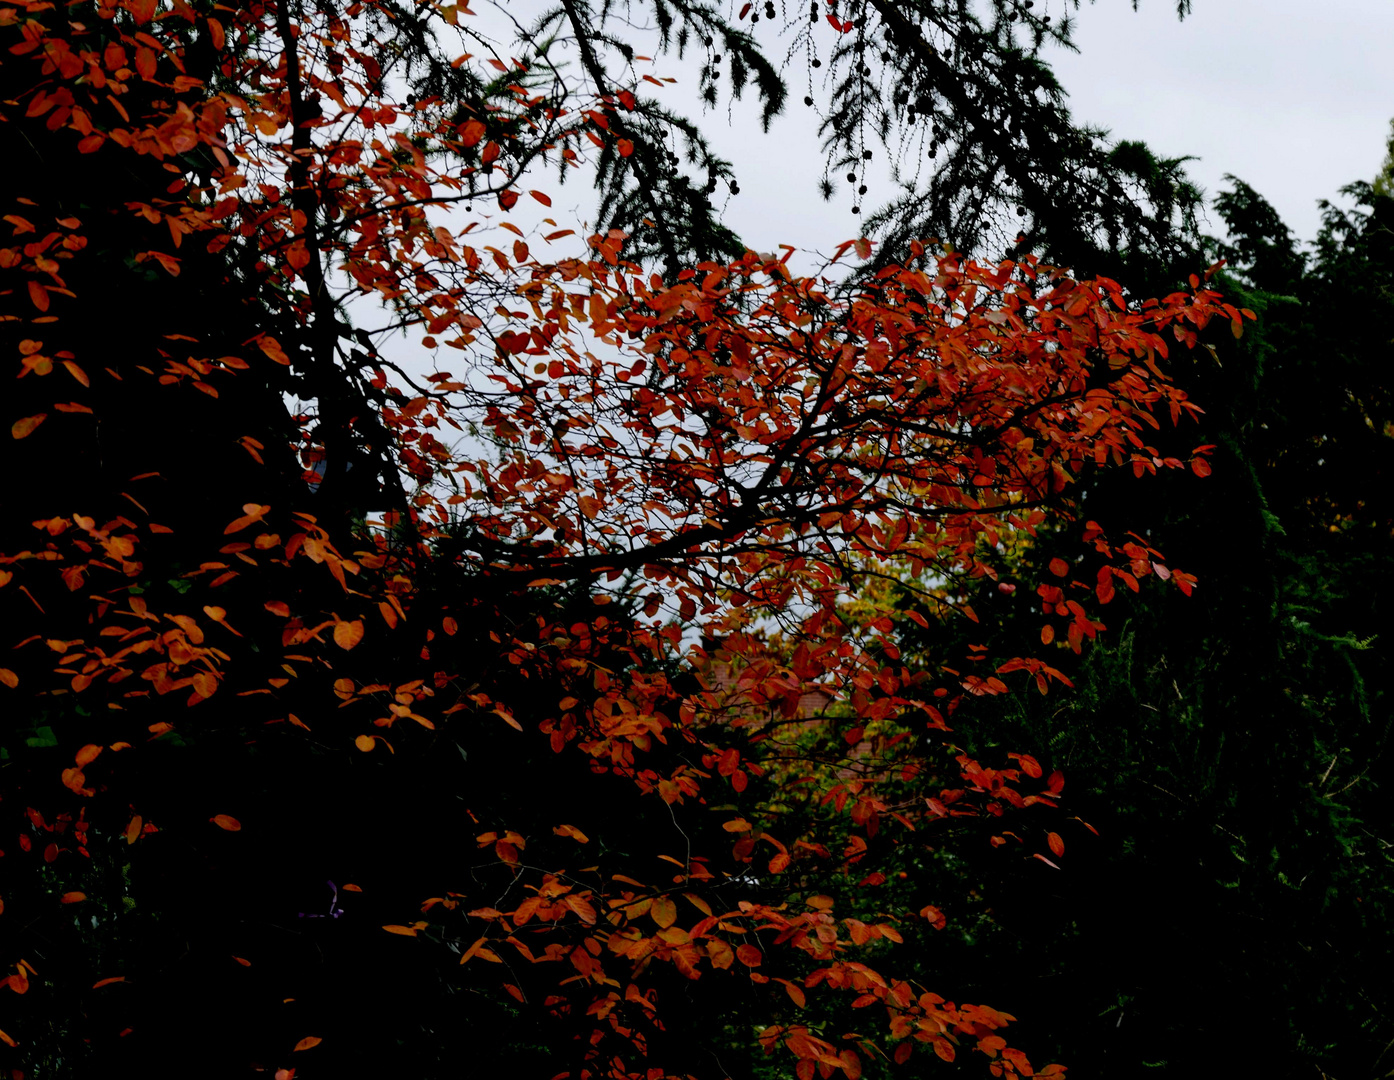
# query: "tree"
{"type": "Point", "coordinates": [984, 152]}
{"type": "Point", "coordinates": [1233, 748]}
{"type": "Point", "coordinates": [735, 449]}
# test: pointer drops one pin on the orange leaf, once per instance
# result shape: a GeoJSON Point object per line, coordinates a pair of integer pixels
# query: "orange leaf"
{"type": "Point", "coordinates": [749, 955]}
{"type": "Point", "coordinates": [1059, 567]}
{"type": "Point", "coordinates": [272, 348]}
{"type": "Point", "coordinates": [625, 147]}
{"type": "Point", "coordinates": [72, 897]}
{"type": "Point", "coordinates": [1056, 844]}
{"type": "Point", "coordinates": [231, 824]}
{"type": "Point", "coordinates": [244, 963]}
{"type": "Point", "coordinates": [540, 197]}
{"type": "Point", "coordinates": [107, 982]}
{"type": "Point", "coordinates": [405, 931]}
{"type": "Point", "coordinates": [309, 1042]}
{"type": "Point", "coordinates": [364, 742]}
{"type": "Point", "coordinates": [39, 295]}
{"type": "Point", "coordinates": [21, 428]}
{"type": "Point", "coordinates": [469, 953]}
{"type": "Point", "coordinates": [348, 634]}
{"type": "Point", "coordinates": [8, 677]}
{"type": "Point", "coordinates": [664, 912]}
{"type": "Point", "coordinates": [87, 754]}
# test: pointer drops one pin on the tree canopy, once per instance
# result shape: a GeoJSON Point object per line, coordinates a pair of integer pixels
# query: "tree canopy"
{"type": "Point", "coordinates": [623, 686]}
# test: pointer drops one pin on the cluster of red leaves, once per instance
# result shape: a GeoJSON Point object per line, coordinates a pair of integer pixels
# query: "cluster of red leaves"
{"type": "Point", "coordinates": [730, 450]}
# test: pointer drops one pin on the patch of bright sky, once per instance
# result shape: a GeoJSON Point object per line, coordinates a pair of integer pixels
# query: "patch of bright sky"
{"type": "Point", "coordinates": [1291, 96]}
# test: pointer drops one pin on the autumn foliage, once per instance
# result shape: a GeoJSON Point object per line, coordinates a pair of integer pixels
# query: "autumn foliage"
{"type": "Point", "coordinates": [604, 546]}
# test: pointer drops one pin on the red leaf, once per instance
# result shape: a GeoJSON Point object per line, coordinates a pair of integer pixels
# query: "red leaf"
{"type": "Point", "coordinates": [142, 11]}
{"type": "Point", "coordinates": [223, 821]}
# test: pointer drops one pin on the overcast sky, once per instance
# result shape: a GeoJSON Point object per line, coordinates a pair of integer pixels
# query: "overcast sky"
{"type": "Point", "coordinates": [1292, 96]}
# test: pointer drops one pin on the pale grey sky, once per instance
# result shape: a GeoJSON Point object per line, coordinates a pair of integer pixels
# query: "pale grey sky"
{"type": "Point", "coordinates": [1292, 96]}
